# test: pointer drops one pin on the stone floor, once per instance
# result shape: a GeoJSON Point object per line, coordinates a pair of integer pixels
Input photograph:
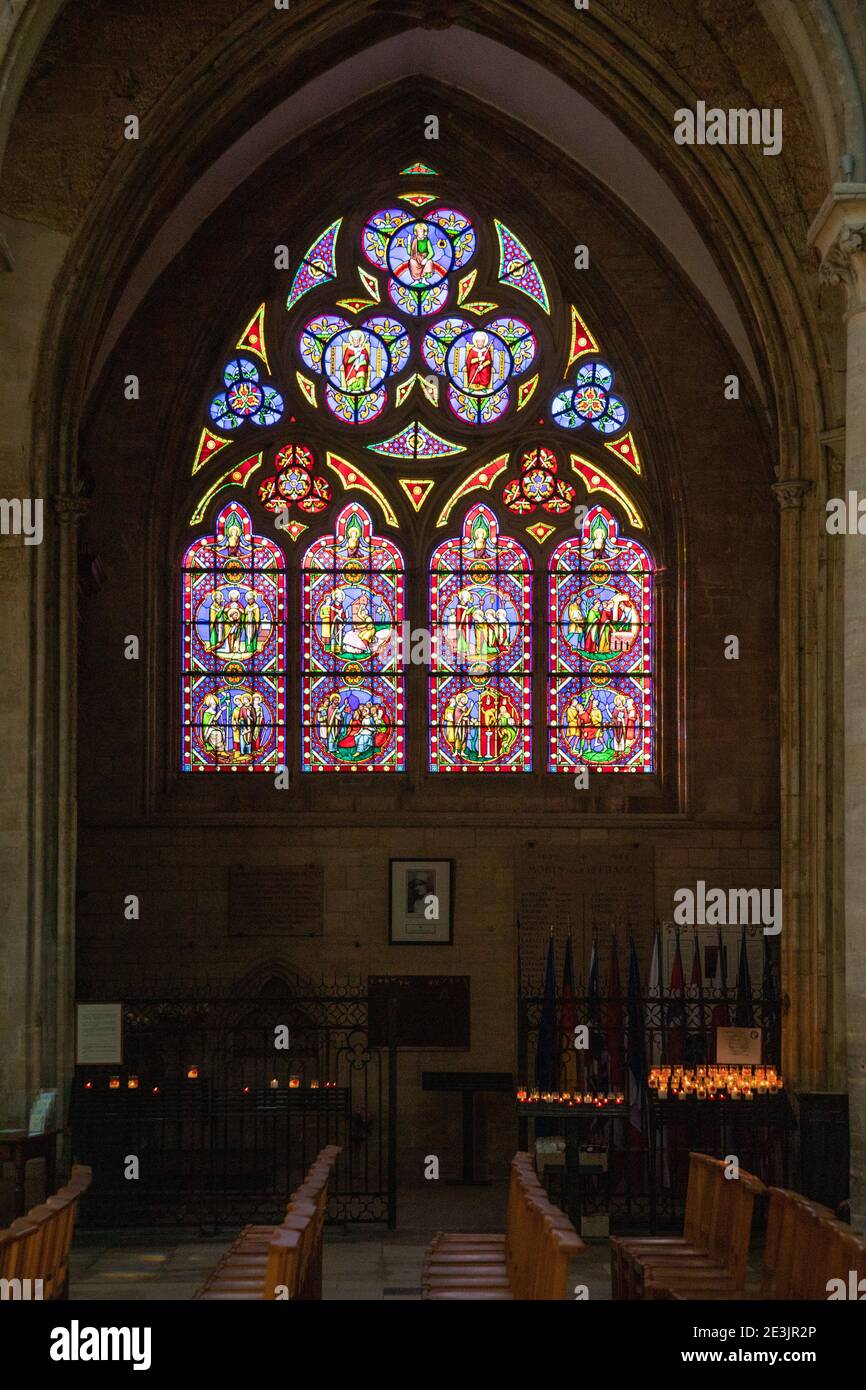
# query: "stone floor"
{"type": "Point", "coordinates": [360, 1263]}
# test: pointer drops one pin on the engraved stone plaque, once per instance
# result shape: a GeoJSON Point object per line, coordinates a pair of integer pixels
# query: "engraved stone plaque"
{"type": "Point", "coordinates": [276, 902]}
{"type": "Point", "coordinates": [606, 889]}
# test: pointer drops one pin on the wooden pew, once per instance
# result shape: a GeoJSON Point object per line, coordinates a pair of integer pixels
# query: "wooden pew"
{"type": "Point", "coordinates": [844, 1255]}
{"type": "Point", "coordinates": [281, 1278]}
{"type": "Point", "coordinates": [805, 1248]}
{"type": "Point", "coordinates": [717, 1252]}
{"type": "Point", "coordinates": [529, 1261]}
{"type": "Point", "coordinates": [261, 1264]}
{"type": "Point", "coordinates": [36, 1246]}
{"type": "Point", "coordinates": [696, 1228]}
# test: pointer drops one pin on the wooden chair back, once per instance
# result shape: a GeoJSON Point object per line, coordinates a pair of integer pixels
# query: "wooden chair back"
{"type": "Point", "coordinates": [699, 1197]}
{"type": "Point", "coordinates": [560, 1249]}
{"type": "Point", "coordinates": [723, 1217]}
{"type": "Point", "coordinates": [20, 1249]}
{"type": "Point", "coordinates": [540, 1240]}
{"type": "Point", "coordinates": [731, 1203]}
{"type": "Point", "coordinates": [250, 1267]}
{"type": "Point", "coordinates": [841, 1255]}
{"type": "Point", "coordinates": [283, 1265]}
{"type": "Point", "coordinates": [37, 1231]}
{"type": "Point", "coordinates": [778, 1244]}
{"type": "Point", "coordinates": [747, 1188]}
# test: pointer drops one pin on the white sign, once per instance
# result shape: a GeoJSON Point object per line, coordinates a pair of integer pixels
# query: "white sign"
{"type": "Point", "coordinates": [99, 1035]}
{"type": "Point", "coordinates": [740, 1046]}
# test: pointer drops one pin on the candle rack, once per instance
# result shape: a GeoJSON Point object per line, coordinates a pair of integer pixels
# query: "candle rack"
{"type": "Point", "coordinates": [585, 1117]}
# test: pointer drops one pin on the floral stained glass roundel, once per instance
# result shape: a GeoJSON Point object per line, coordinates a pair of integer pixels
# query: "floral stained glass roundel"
{"type": "Point", "coordinates": [245, 398]}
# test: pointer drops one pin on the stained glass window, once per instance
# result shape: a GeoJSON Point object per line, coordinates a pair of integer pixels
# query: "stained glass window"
{"type": "Point", "coordinates": [233, 649]}
{"type": "Point", "coordinates": [538, 485]}
{"type": "Point", "coordinates": [419, 265]}
{"type": "Point", "coordinates": [418, 255]}
{"type": "Point", "coordinates": [479, 363]}
{"type": "Point", "coordinates": [600, 679]}
{"type": "Point", "coordinates": [295, 482]}
{"type": "Point", "coordinates": [356, 362]}
{"type": "Point", "coordinates": [245, 398]}
{"type": "Point", "coordinates": [417, 372]}
{"type": "Point", "coordinates": [352, 625]}
{"type": "Point", "coordinates": [481, 637]}
{"type": "Point", "coordinates": [590, 401]}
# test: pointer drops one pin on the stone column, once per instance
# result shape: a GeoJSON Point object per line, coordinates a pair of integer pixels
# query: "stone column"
{"type": "Point", "coordinates": [34, 622]}
{"type": "Point", "coordinates": [57, 981]}
{"type": "Point", "coordinates": [839, 234]}
{"type": "Point", "coordinates": [800, 1000]}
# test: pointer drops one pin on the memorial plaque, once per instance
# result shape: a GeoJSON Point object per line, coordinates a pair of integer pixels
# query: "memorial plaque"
{"type": "Point", "coordinates": [429, 1010]}
{"type": "Point", "coordinates": [605, 888]}
{"type": "Point", "coordinates": [740, 1047]}
{"type": "Point", "coordinates": [276, 902]}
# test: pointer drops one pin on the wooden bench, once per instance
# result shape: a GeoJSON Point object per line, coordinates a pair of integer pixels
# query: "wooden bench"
{"type": "Point", "coordinates": [34, 1250]}
{"type": "Point", "coordinates": [279, 1262]}
{"type": "Point", "coordinates": [529, 1261]}
{"type": "Point", "coordinates": [805, 1248]}
{"type": "Point", "coordinates": [714, 1246]}
{"type": "Point", "coordinates": [695, 1235]}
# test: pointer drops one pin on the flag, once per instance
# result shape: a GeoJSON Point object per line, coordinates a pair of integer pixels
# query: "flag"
{"type": "Point", "coordinates": [771, 1010]}
{"type": "Point", "coordinates": [596, 1080]}
{"type": "Point", "coordinates": [696, 1042]}
{"type": "Point", "coordinates": [567, 1023]}
{"type": "Point", "coordinates": [719, 1016]}
{"type": "Point", "coordinates": [744, 1015]}
{"type": "Point", "coordinates": [676, 1013]}
{"type": "Point", "coordinates": [636, 1053]}
{"type": "Point", "coordinates": [614, 1038]}
{"type": "Point", "coordinates": [547, 1046]}
{"type": "Point", "coordinates": [655, 1030]}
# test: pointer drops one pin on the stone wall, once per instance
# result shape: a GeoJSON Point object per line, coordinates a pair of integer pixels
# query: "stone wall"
{"type": "Point", "coordinates": [181, 878]}
{"type": "Point", "coordinates": [712, 812]}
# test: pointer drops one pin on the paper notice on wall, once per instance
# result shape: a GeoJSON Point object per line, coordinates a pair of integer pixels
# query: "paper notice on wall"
{"type": "Point", "coordinates": [99, 1035]}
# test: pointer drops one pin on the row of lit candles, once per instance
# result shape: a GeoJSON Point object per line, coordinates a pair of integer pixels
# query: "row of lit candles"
{"type": "Point", "coordinates": [706, 1083]}
{"type": "Point", "coordinates": [533, 1097]}
{"type": "Point", "coordinates": [115, 1084]}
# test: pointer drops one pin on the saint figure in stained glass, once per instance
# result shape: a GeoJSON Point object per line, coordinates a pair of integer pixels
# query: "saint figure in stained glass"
{"type": "Point", "coordinates": [480, 622]}
{"type": "Point", "coordinates": [600, 683]}
{"type": "Point", "coordinates": [352, 682]}
{"type": "Point", "coordinates": [233, 649]}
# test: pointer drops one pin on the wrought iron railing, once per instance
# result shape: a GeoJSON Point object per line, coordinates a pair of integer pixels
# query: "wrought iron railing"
{"type": "Point", "coordinates": [222, 1121]}
{"type": "Point", "coordinates": [645, 1170]}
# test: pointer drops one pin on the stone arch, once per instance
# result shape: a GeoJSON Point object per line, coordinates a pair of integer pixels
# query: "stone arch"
{"type": "Point", "coordinates": [64, 292]}
{"type": "Point", "coordinates": [496, 189]}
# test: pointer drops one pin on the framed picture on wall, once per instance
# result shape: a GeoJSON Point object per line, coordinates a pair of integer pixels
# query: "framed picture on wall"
{"type": "Point", "coordinates": [420, 902]}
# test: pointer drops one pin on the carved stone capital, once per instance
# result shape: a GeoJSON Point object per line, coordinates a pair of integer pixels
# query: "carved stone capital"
{"type": "Point", "coordinates": [792, 492]}
{"type": "Point", "coordinates": [839, 265]}
{"type": "Point", "coordinates": [69, 507]}
{"type": "Point", "coordinates": [839, 237]}
{"type": "Point", "coordinates": [834, 442]}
